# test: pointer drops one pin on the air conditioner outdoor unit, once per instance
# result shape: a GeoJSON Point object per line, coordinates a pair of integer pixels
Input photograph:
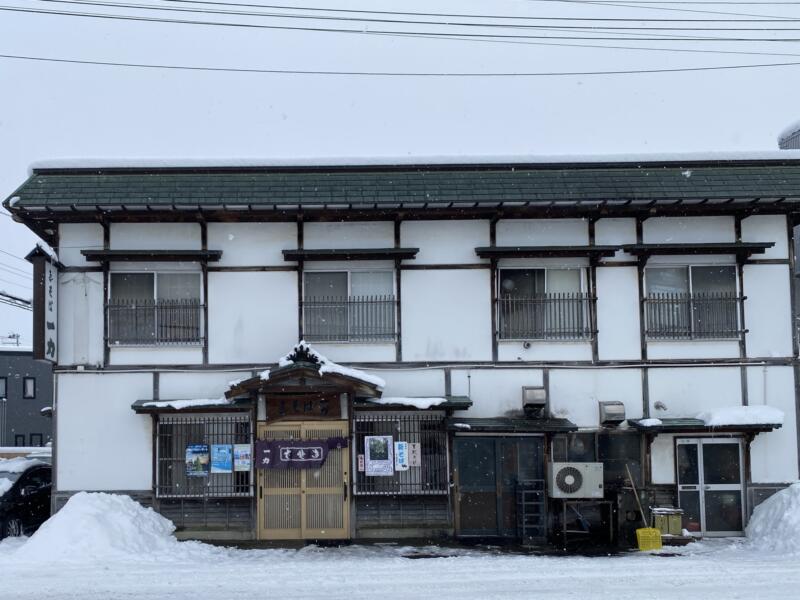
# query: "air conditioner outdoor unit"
{"type": "Point", "coordinates": [575, 480]}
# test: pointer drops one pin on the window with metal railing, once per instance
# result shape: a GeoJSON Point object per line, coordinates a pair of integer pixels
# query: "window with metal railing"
{"type": "Point", "coordinates": [692, 302]}
{"type": "Point", "coordinates": [152, 309]}
{"type": "Point", "coordinates": [341, 306]}
{"type": "Point", "coordinates": [427, 429]}
{"type": "Point", "coordinates": [544, 304]}
{"type": "Point", "coordinates": [184, 449]}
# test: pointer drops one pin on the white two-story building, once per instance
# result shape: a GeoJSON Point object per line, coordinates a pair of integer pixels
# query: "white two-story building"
{"type": "Point", "coordinates": [483, 325]}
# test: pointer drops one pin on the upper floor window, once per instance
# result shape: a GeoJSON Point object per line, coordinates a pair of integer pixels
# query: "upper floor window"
{"type": "Point", "coordinates": [3, 387]}
{"type": "Point", "coordinates": [155, 308]}
{"type": "Point", "coordinates": [543, 304]}
{"type": "Point", "coordinates": [349, 306]}
{"type": "Point", "coordinates": [28, 387]}
{"type": "Point", "coordinates": [693, 302]}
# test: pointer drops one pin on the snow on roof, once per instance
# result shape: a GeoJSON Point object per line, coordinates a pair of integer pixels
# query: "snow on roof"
{"type": "Point", "coordinates": [742, 415]}
{"type": "Point", "coordinates": [650, 422]}
{"type": "Point", "coordinates": [181, 404]}
{"type": "Point", "coordinates": [325, 366]}
{"type": "Point", "coordinates": [388, 160]}
{"type": "Point", "coordinates": [420, 403]}
{"type": "Point", "coordinates": [16, 349]}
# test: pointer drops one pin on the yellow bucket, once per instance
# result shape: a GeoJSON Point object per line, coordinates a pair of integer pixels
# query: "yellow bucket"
{"type": "Point", "coordinates": [648, 538]}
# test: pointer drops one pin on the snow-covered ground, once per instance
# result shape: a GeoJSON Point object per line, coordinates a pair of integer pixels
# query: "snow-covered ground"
{"type": "Point", "coordinates": [84, 553]}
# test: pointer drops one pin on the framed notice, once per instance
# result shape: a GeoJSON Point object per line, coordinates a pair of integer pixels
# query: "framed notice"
{"type": "Point", "coordinates": [401, 456]}
{"type": "Point", "coordinates": [45, 305]}
{"type": "Point", "coordinates": [197, 460]}
{"type": "Point", "coordinates": [242, 457]}
{"type": "Point", "coordinates": [221, 458]}
{"type": "Point", "coordinates": [379, 455]}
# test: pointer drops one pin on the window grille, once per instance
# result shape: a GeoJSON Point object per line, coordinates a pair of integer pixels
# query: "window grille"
{"type": "Point", "coordinates": [349, 319]}
{"type": "Point", "coordinates": [155, 322]}
{"type": "Point", "coordinates": [559, 316]}
{"type": "Point", "coordinates": [693, 316]}
{"type": "Point", "coordinates": [424, 428]}
{"type": "Point", "coordinates": [174, 434]}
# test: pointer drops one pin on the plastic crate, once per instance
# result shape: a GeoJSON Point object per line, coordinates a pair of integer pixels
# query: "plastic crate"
{"type": "Point", "coordinates": [648, 538]}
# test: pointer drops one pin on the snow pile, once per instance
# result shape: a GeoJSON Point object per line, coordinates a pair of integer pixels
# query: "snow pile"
{"type": "Point", "coordinates": [325, 366]}
{"type": "Point", "coordinates": [775, 524]}
{"type": "Point", "coordinates": [94, 526]}
{"type": "Point", "coordinates": [5, 485]}
{"type": "Point", "coordinates": [650, 422]}
{"type": "Point", "coordinates": [181, 404]}
{"type": "Point", "coordinates": [742, 415]}
{"type": "Point", "coordinates": [788, 131]}
{"type": "Point", "coordinates": [419, 403]}
{"type": "Point", "coordinates": [17, 465]}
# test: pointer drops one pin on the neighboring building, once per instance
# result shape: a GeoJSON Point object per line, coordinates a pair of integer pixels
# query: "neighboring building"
{"type": "Point", "coordinates": [500, 319]}
{"type": "Point", "coordinates": [789, 139]}
{"type": "Point", "coordinates": [26, 387]}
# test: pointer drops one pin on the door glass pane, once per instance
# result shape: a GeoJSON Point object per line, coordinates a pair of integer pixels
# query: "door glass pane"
{"type": "Point", "coordinates": [721, 464]}
{"type": "Point", "coordinates": [178, 286]}
{"type": "Point", "coordinates": [723, 510]}
{"type": "Point", "coordinates": [667, 280]}
{"type": "Point", "coordinates": [371, 283]}
{"type": "Point", "coordinates": [132, 286]}
{"type": "Point", "coordinates": [325, 285]}
{"type": "Point", "coordinates": [688, 471]}
{"type": "Point", "coordinates": [690, 503]}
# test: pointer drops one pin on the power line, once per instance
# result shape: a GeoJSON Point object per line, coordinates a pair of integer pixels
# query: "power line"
{"type": "Point", "coordinates": [396, 74]}
{"type": "Point", "coordinates": [24, 287]}
{"type": "Point", "coordinates": [326, 17]}
{"type": "Point", "coordinates": [15, 301]}
{"type": "Point", "coordinates": [13, 256]}
{"type": "Point", "coordinates": [641, 6]}
{"type": "Point", "coordinates": [14, 270]}
{"type": "Point", "coordinates": [644, 37]}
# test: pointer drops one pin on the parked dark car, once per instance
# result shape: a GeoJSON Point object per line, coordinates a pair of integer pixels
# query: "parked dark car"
{"type": "Point", "coordinates": [24, 496]}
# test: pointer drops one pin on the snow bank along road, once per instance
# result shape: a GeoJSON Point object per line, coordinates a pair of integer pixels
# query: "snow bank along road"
{"type": "Point", "coordinates": [102, 546]}
{"type": "Point", "coordinates": [709, 570]}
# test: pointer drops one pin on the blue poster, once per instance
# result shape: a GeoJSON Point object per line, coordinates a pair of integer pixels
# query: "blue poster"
{"type": "Point", "coordinates": [197, 460]}
{"type": "Point", "coordinates": [221, 458]}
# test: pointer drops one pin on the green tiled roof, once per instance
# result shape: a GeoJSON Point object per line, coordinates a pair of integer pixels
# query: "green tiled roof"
{"type": "Point", "coordinates": [410, 187]}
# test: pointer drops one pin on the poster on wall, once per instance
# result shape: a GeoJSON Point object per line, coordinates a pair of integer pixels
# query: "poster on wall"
{"type": "Point", "coordinates": [221, 458]}
{"type": "Point", "coordinates": [242, 457]}
{"type": "Point", "coordinates": [378, 455]}
{"type": "Point", "coordinates": [414, 454]}
{"type": "Point", "coordinates": [197, 460]}
{"type": "Point", "coordinates": [401, 456]}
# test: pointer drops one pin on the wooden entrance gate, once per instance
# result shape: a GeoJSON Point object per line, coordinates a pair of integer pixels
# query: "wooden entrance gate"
{"type": "Point", "coordinates": [305, 504]}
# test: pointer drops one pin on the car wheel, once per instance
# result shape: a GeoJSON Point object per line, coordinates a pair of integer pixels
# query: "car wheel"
{"type": "Point", "coordinates": [12, 527]}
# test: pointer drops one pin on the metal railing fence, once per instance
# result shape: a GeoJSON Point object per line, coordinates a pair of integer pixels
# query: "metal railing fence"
{"type": "Point", "coordinates": [713, 315]}
{"type": "Point", "coordinates": [556, 316]}
{"type": "Point", "coordinates": [349, 319]}
{"type": "Point", "coordinates": [154, 322]}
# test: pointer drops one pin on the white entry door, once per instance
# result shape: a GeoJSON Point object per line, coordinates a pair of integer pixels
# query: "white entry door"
{"type": "Point", "coordinates": [710, 485]}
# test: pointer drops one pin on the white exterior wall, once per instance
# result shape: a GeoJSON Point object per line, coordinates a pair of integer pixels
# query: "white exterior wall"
{"type": "Point", "coordinates": [80, 318]}
{"type": "Point", "coordinates": [494, 392]}
{"type": "Point", "coordinates": [445, 242]}
{"type": "Point", "coordinates": [155, 236]}
{"type": "Point", "coordinates": [74, 237]}
{"type": "Point", "coordinates": [687, 391]}
{"type": "Point", "coordinates": [608, 232]}
{"type": "Point", "coordinates": [767, 228]}
{"type": "Point", "coordinates": [446, 315]}
{"type": "Point", "coordinates": [768, 310]}
{"type": "Point", "coordinates": [544, 351]}
{"type": "Point", "coordinates": [666, 349]}
{"type": "Point", "coordinates": [773, 455]}
{"type": "Point", "coordinates": [575, 393]}
{"type": "Point", "coordinates": [542, 232]}
{"type": "Point", "coordinates": [618, 335]}
{"type": "Point", "coordinates": [681, 230]}
{"type": "Point", "coordinates": [368, 234]}
{"type": "Point", "coordinates": [411, 382]}
{"type": "Point", "coordinates": [196, 385]}
{"type": "Point", "coordinates": [102, 443]}
{"type": "Point", "coordinates": [252, 244]}
{"type": "Point", "coordinates": [252, 316]}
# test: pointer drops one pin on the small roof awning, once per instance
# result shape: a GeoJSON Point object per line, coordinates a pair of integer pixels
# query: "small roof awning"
{"type": "Point", "coordinates": [510, 425]}
{"type": "Point", "coordinates": [742, 250]}
{"type": "Point", "coordinates": [448, 403]}
{"type": "Point", "coordinates": [153, 255]}
{"type": "Point", "coordinates": [351, 254]}
{"type": "Point", "coordinates": [192, 406]}
{"type": "Point", "coordinates": [545, 251]}
{"type": "Point", "coordinates": [686, 425]}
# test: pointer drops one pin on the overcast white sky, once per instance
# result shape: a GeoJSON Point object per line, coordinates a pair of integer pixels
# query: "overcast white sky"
{"type": "Point", "coordinates": [50, 111]}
